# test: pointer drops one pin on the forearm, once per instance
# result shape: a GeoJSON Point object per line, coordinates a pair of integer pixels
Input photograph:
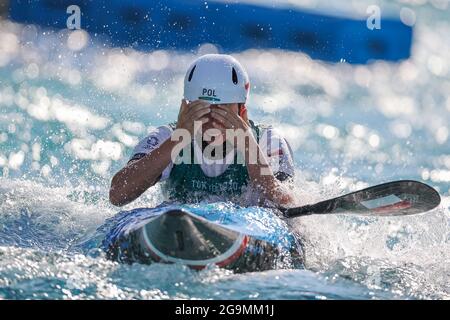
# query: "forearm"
{"type": "Point", "coordinates": [268, 185]}
{"type": "Point", "coordinates": [133, 180]}
{"type": "Point", "coordinates": [262, 177]}
{"type": "Point", "coordinates": [130, 182]}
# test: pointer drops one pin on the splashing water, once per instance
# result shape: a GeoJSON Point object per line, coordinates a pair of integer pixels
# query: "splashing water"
{"type": "Point", "coordinates": [72, 110]}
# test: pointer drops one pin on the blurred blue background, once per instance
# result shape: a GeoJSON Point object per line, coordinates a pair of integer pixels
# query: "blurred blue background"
{"type": "Point", "coordinates": [184, 25]}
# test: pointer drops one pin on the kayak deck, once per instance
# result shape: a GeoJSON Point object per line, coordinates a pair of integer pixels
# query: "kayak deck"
{"type": "Point", "coordinates": [179, 236]}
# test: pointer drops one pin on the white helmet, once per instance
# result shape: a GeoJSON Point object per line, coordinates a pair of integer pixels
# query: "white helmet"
{"type": "Point", "coordinates": [217, 78]}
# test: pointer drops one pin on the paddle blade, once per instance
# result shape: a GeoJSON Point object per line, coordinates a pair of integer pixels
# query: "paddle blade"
{"type": "Point", "coordinates": [396, 198]}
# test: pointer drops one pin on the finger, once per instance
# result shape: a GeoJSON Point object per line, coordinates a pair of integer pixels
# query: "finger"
{"type": "Point", "coordinates": [230, 116]}
{"type": "Point", "coordinates": [238, 120]}
{"type": "Point", "coordinates": [218, 125]}
{"type": "Point", "coordinates": [225, 109]}
{"type": "Point", "coordinates": [196, 106]}
{"type": "Point", "coordinates": [223, 120]}
{"type": "Point", "coordinates": [198, 102]}
{"type": "Point", "coordinates": [227, 112]}
{"type": "Point", "coordinates": [196, 126]}
{"type": "Point", "coordinates": [220, 111]}
{"type": "Point", "coordinates": [199, 113]}
{"type": "Point", "coordinates": [191, 110]}
{"type": "Point", "coordinates": [204, 120]}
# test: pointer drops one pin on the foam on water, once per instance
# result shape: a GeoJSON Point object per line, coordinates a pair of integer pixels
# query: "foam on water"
{"type": "Point", "coordinates": [72, 110]}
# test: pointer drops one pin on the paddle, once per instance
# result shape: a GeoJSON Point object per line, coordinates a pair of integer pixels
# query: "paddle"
{"type": "Point", "coordinates": [395, 198]}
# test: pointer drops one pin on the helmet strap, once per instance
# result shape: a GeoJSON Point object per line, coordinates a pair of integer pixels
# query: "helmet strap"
{"type": "Point", "coordinates": [243, 112]}
{"type": "Point", "coordinates": [242, 109]}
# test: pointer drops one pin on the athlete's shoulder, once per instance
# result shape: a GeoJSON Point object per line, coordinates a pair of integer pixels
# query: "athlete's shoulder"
{"type": "Point", "coordinates": [259, 126]}
{"type": "Point", "coordinates": [164, 130]}
{"type": "Point", "coordinates": [270, 132]}
{"type": "Point", "coordinates": [266, 128]}
{"type": "Point", "coordinates": [273, 141]}
{"type": "Point", "coordinates": [279, 152]}
{"type": "Point", "coordinates": [154, 138]}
